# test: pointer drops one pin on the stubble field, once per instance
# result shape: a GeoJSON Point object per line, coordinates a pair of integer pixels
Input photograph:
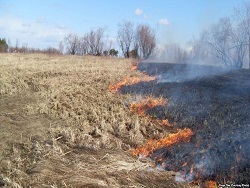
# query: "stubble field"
{"type": "Point", "coordinates": [62, 127]}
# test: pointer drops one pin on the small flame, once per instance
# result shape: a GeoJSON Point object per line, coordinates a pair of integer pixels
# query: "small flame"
{"type": "Point", "coordinates": [144, 105]}
{"type": "Point", "coordinates": [152, 145]}
{"type": "Point", "coordinates": [141, 107]}
{"type": "Point", "coordinates": [134, 67]}
{"type": "Point", "coordinates": [164, 122]}
{"type": "Point", "coordinates": [211, 184]}
{"type": "Point", "coordinates": [130, 80]}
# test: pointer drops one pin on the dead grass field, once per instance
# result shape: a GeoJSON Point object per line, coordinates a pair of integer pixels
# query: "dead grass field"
{"type": "Point", "coordinates": [62, 127]}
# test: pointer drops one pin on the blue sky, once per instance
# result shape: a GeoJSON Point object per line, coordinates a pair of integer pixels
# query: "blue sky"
{"type": "Point", "coordinates": [43, 23]}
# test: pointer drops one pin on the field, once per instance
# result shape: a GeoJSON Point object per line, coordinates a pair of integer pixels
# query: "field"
{"type": "Point", "coordinates": [62, 127]}
{"type": "Point", "coordinates": [71, 121]}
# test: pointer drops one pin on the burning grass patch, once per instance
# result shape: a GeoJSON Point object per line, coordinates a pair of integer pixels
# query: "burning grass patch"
{"type": "Point", "coordinates": [130, 80]}
{"type": "Point", "coordinates": [142, 106]}
{"type": "Point", "coordinates": [152, 145]}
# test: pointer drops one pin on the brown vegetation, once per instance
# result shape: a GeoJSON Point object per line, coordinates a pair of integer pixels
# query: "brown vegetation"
{"type": "Point", "coordinates": [62, 127]}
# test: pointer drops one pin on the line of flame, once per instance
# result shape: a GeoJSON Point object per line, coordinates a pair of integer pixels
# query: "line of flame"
{"type": "Point", "coordinates": [130, 80]}
{"type": "Point", "coordinates": [152, 145]}
{"type": "Point", "coordinates": [146, 104]}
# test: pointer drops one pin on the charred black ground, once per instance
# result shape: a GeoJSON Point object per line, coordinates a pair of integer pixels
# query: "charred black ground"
{"type": "Point", "coordinates": [215, 103]}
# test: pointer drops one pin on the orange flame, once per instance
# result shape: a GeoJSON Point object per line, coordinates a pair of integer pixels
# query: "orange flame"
{"type": "Point", "coordinates": [152, 145]}
{"type": "Point", "coordinates": [141, 107]}
{"type": "Point", "coordinates": [134, 67]}
{"type": "Point", "coordinates": [130, 80]}
{"type": "Point", "coordinates": [164, 122]}
{"type": "Point", "coordinates": [144, 105]}
{"type": "Point", "coordinates": [211, 184]}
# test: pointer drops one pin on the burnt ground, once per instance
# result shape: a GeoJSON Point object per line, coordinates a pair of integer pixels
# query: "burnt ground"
{"type": "Point", "coordinates": [215, 103]}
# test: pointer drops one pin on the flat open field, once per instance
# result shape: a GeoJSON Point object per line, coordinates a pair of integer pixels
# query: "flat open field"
{"type": "Point", "coordinates": [62, 127]}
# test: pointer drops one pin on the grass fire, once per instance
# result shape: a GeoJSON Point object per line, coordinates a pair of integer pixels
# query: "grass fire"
{"type": "Point", "coordinates": [71, 121]}
{"type": "Point", "coordinates": [211, 114]}
{"type": "Point", "coordinates": [157, 95]}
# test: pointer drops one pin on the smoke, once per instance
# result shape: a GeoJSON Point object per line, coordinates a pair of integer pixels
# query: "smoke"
{"type": "Point", "coordinates": [203, 168]}
{"type": "Point", "coordinates": [166, 72]}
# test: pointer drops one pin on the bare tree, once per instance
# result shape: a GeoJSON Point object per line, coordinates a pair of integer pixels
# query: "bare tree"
{"type": "Point", "coordinates": [24, 48]}
{"type": "Point", "coordinates": [99, 44]}
{"type": "Point", "coordinates": [17, 45]}
{"type": "Point", "coordinates": [83, 46]}
{"type": "Point", "coordinates": [91, 43]}
{"type": "Point", "coordinates": [9, 45]}
{"type": "Point", "coordinates": [125, 37]}
{"type": "Point", "coordinates": [146, 41]}
{"type": "Point", "coordinates": [198, 51]}
{"type": "Point", "coordinates": [226, 43]}
{"type": "Point", "coordinates": [242, 15]}
{"type": "Point", "coordinates": [95, 42]}
{"type": "Point", "coordinates": [109, 43]}
{"type": "Point", "coordinates": [72, 43]}
{"type": "Point", "coordinates": [175, 54]}
{"type": "Point", "coordinates": [61, 47]}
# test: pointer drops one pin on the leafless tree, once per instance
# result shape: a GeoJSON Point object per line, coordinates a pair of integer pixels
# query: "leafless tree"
{"type": "Point", "coordinates": [61, 47]}
{"type": "Point", "coordinates": [242, 15]}
{"type": "Point", "coordinates": [17, 45]}
{"type": "Point", "coordinates": [94, 41]}
{"type": "Point", "coordinates": [109, 43]}
{"type": "Point", "coordinates": [199, 52]}
{"type": "Point", "coordinates": [226, 43]}
{"type": "Point", "coordinates": [175, 54]}
{"type": "Point", "coordinates": [24, 48]}
{"type": "Point", "coordinates": [83, 46]}
{"type": "Point", "coordinates": [9, 45]}
{"type": "Point", "coordinates": [99, 43]}
{"type": "Point", "coordinates": [91, 43]}
{"type": "Point", "coordinates": [50, 50]}
{"type": "Point", "coordinates": [125, 37]}
{"type": "Point", "coordinates": [72, 43]}
{"type": "Point", "coordinates": [146, 41]}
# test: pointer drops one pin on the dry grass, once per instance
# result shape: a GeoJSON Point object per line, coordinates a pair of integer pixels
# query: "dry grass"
{"type": "Point", "coordinates": [62, 127]}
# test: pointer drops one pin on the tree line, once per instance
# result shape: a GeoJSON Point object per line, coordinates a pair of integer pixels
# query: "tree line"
{"type": "Point", "coordinates": [5, 46]}
{"type": "Point", "coordinates": [136, 42]}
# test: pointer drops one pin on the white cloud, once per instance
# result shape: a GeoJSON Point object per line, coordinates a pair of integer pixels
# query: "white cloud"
{"type": "Point", "coordinates": [163, 21]}
{"type": "Point", "coordinates": [34, 33]}
{"type": "Point", "coordinates": [138, 11]}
